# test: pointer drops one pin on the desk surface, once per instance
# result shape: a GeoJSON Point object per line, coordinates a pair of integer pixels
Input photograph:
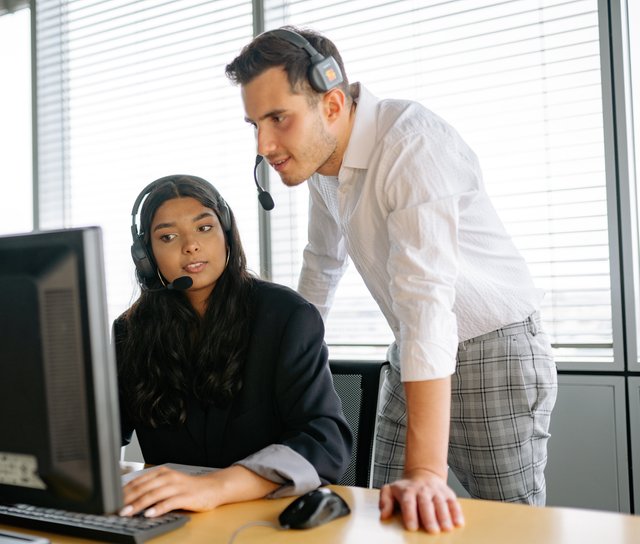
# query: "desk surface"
{"type": "Point", "coordinates": [486, 523]}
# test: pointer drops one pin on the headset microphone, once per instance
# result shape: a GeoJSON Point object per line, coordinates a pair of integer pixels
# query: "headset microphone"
{"type": "Point", "coordinates": [179, 284]}
{"type": "Point", "coordinates": [263, 196]}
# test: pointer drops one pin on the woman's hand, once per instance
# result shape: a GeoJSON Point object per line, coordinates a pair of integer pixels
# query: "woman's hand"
{"type": "Point", "coordinates": [425, 500]}
{"type": "Point", "coordinates": [163, 489]}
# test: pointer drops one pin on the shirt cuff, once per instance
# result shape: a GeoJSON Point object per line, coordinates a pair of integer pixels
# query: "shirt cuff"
{"type": "Point", "coordinates": [425, 362]}
{"type": "Point", "coordinates": [280, 464]}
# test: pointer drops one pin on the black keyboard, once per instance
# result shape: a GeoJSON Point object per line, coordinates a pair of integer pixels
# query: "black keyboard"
{"type": "Point", "coordinates": [107, 528]}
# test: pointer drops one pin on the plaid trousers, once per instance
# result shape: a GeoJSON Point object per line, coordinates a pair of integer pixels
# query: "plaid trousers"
{"type": "Point", "coordinates": [502, 394]}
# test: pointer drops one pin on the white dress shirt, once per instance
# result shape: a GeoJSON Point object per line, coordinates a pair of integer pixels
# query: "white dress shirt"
{"type": "Point", "coordinates": [410, 209]}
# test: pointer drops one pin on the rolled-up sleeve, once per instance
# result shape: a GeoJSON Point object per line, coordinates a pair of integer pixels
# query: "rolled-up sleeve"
{"type": "Point", "coordinates": [280, 464]}
{"type": "Point", "coordinates": [426, 188]}
{"type": "Point", "coordinates": [423, 267]}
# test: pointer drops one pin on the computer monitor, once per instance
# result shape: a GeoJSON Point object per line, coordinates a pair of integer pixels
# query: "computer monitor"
{"type": "Point", "coordinates": [59, 418]}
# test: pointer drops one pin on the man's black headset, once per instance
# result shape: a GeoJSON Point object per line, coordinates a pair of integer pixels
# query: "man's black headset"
{"type": "Point", "coordinates": [145, 264]}
{"type": "Point", "coordinates": [324, 74]}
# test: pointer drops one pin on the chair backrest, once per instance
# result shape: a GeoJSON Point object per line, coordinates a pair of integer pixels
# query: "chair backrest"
{"type": "Point", "coordinates": [358, 384]}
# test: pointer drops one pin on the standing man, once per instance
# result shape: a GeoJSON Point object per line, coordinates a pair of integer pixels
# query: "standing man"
{"type": "Point", "coordinates": [394, 187]}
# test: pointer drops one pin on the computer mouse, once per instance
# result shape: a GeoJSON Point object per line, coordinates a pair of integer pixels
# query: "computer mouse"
{"type": "Point", "coordinates": [312, 509]}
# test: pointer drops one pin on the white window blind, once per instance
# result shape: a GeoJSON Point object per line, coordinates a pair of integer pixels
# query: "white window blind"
{"type": "Point", "coordinates": [520, 80]}
{"type": "Point", "coordinates": [15, 122]}
{"type": "Point", "coordinates": [129, 91]}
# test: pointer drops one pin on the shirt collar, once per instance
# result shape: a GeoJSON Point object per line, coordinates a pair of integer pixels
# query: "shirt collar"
{"type": "Point", "coordinates": [363, 133]}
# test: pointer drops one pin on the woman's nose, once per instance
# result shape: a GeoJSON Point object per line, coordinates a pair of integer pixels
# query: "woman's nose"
{"type": "Point", "coordinates": [190, 245]}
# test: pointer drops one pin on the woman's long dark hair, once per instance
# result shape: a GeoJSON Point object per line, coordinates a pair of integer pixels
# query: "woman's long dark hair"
{"type": "Point", "coordinates": [170, 353]}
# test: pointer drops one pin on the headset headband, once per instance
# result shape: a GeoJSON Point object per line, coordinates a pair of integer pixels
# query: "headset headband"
{"type": "Point", "coordinates": [324, 72]}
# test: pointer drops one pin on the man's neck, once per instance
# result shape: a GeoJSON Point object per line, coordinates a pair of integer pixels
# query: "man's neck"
{"type": "Point", "coordinates": [332, 166]}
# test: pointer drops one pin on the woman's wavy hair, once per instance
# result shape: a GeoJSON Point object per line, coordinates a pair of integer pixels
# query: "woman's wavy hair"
{"type": "Point", "coordinates": [170, 353]}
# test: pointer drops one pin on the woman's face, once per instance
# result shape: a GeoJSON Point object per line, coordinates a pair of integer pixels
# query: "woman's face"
{"type": "Point", "coordinates": [187, 240]}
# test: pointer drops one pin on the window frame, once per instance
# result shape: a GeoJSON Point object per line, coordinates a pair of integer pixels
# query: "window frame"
{"type": "Point", "coordinates": [620, 182]}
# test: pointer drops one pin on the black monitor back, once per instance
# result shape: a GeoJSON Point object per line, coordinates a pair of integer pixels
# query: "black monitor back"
{"type": "Point", "coordinates": [59, 419]}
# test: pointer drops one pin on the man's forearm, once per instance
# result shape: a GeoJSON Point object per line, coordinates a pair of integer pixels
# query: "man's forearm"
{"type": "Point", "coordinates": [428, 413]}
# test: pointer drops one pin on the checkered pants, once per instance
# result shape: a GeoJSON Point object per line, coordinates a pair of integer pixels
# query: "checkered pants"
{"type": "Point", "coordinates": [503, 391]}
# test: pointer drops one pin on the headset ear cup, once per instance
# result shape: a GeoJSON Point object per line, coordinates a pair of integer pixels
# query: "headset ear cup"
{"type": "Point", "coordinates": [142, 260]}
{"type": "Point", "coordinates": [316, 81]}
{"type": "Point", "coordinates": [225, 215]}
{"type": "Point", "coordinates": [325, 75]}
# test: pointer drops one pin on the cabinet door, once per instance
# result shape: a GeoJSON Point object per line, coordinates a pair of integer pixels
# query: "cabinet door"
{"type": "Point", "coordinates": [588, 463]}
{"type": "Point", "coordinates": [634, 420]}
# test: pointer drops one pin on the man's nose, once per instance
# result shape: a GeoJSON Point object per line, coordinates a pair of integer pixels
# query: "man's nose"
{"type": "Point", "coordinates": [266, 141]}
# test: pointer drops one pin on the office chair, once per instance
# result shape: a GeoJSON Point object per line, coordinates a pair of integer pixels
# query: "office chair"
{"type": "Point", "coordinates": [358, 384]}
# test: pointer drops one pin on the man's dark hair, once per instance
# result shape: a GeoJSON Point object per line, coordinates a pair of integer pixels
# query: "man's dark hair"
{"type": "Point", "coordinates": [269, 50]}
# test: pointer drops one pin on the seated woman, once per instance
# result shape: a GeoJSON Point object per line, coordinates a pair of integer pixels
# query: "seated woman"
{"type": "Point", "coordinates": [222, 371]}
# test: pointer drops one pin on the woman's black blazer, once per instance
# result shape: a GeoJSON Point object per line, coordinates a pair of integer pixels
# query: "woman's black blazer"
{"type": "Point", "coordinates": [287, 397]}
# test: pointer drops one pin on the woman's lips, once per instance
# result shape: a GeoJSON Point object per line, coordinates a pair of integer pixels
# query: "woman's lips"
{"type": "Point", "coordinates": [194, 268]}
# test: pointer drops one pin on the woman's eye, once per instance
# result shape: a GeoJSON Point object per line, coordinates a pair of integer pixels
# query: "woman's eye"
{"type": "Point", "coordinates": [167, 237]}
{"type": "Point", "coordinates": [205, 228]}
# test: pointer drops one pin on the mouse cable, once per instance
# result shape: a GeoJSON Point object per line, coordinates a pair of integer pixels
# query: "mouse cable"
{"type": "Point", "coordinates": [254, 524]}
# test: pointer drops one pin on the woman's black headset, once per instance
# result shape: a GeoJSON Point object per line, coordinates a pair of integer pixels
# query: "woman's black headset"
{"type": "Point", "coordinates": [145, 265]}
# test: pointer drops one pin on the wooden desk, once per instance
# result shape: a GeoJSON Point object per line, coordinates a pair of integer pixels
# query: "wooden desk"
{"type": "Point", "coordinates": [487, 523]}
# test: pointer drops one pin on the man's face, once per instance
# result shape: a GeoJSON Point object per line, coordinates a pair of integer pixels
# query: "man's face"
{"type": "Point", "coordinates": [291, 133]}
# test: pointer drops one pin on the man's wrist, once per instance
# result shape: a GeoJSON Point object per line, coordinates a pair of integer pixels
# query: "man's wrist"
{"type": "Point", "coordinates": [421, 472]}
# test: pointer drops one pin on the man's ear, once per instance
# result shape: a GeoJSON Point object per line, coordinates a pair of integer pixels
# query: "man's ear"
{"type": "Point", "coordinates": [333, 104]}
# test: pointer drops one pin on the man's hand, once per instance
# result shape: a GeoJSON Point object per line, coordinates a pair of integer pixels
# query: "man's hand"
{"type": "Point", "coordinates": [423, 495]}
{"type": "Point", "coordinates": [425, 501]}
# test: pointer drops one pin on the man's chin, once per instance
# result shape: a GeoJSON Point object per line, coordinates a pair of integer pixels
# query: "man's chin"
{"type": "Point", "coordinates": [292, 181]}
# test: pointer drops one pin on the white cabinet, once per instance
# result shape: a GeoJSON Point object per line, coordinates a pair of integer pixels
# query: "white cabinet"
{"type": "Point", "coordinates": [588, 462]}
{"type": "Point", "coordinates": [634, 420]}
